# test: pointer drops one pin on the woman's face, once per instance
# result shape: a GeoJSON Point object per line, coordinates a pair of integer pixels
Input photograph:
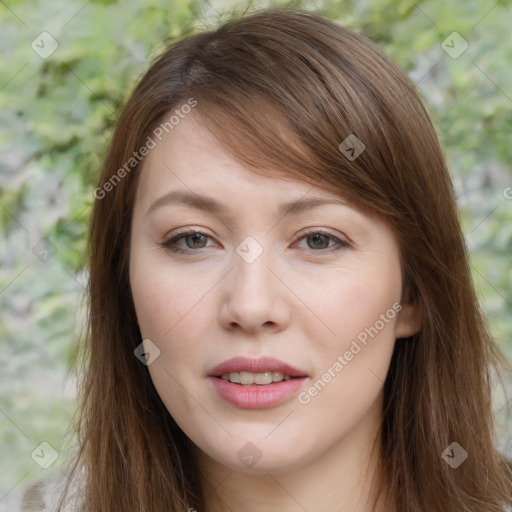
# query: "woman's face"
{"type": "Point", "coordinates": [280, 273]}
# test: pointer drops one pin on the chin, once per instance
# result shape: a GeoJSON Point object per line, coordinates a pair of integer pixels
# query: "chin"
{"type": "Point", "coordinates": [255, 455]}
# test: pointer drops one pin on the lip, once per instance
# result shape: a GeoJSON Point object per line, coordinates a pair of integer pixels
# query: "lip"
{"type": "Point", "coordinates": [256, 396]}
{"type": "Point", "coordinates": [262, 364]}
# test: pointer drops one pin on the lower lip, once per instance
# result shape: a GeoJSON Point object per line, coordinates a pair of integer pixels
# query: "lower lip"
{"type": "Point", "coordinates": [257, 397]}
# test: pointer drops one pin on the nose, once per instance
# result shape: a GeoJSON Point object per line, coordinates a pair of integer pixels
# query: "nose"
{"type": "Point", "coordinates": [254, 298]}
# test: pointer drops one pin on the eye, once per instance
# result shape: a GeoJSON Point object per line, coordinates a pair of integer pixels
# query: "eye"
{"type": "Point", "coordinates": [316, 240]}
{"type": "Point", "coordinates": [319, 240]}
{"type": "Point", "coordinates": [193, 240]}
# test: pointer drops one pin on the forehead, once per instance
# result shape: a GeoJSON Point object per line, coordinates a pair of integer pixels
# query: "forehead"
{"type": "Point", "coordinates": [190, 159]}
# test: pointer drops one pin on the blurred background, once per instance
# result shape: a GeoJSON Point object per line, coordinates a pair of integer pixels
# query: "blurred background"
{"type": "Point", "coordinates": [66, 68]}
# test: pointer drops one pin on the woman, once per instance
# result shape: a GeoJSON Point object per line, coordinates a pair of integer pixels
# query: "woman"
{"type": "Point", "coordinates": [282, 313]}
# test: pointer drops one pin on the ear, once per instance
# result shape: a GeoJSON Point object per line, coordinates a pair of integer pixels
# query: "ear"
{"type": "Point", "coordinates": [410, 317]}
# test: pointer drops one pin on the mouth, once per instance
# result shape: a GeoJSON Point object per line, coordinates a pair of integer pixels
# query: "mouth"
{"type": "Point", "coordinates": [262, 394]}
{"type": "Point", "coordinates": [261, 383]}
{"type": "Point", "coordinates": [258, 379]}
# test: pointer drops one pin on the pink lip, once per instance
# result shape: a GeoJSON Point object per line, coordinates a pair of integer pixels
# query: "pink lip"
{"type": "Point", "coordinates": [262, 364]}
{"type": "Point", "coordinates": [256, 396]}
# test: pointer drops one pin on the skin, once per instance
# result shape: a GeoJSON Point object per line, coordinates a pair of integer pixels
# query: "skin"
{"type": "Point", "coordinates": [299, 301]}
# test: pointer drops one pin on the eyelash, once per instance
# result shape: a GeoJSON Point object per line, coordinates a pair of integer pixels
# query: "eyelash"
{"type": "Point", "coordinates": [169, 244]}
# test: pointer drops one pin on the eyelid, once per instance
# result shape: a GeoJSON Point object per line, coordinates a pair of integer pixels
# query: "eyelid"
{"type": "Point", "coordinates": [341, 242]}
{"type": "Point", "coordinates": [185, 231]}
{"type": "Point", "coordinates": [322, 231]}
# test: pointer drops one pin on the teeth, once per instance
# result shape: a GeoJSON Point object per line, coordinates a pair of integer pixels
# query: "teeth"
{"type": "Point", "coordinates": [234, 377]}
{"type": "Point", "coordinates": [248, 378]}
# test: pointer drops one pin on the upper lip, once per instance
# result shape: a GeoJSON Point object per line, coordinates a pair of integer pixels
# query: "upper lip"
{"type": "Point", "coordinates": [260, 365]}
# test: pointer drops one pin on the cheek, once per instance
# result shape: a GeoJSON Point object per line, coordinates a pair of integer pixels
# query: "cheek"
{"type": "Point", "coordinates": [352, 302]}
{"type": "Point", "coordinates": [162, 298]}
{"type": "Point", "coordinates": [165, 312]}
{"type": "Point", "coordinates": [353, 360]}
{"type": "Point", "coordinates": [151, 301]}
{"type": "Point", "coordinates": [170, 308]}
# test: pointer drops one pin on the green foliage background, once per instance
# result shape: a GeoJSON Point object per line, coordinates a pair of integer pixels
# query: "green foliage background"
{"type": "Point", "coordinates": [57, 114]}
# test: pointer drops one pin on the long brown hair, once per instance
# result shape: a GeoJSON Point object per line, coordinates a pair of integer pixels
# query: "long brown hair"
{"type": "Point", "coordinates": [281, 89]}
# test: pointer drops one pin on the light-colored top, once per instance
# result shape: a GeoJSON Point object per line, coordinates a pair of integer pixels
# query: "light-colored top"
{"type": "Point", "coordinates": [44, 496]}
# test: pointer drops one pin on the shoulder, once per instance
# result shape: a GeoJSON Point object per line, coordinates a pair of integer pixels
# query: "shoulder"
{"type": "Point", "coordinates": [45, 496]}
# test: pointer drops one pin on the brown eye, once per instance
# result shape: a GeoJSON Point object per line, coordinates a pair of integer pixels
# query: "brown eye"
{"type": "Point", "coordinates": [319, 241]}
{"type": "Point", "coordinates": [193, 240]}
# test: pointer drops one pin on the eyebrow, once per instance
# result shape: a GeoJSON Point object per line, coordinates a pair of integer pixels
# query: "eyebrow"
{"type": "Point", "coordinates": [206, 203]}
